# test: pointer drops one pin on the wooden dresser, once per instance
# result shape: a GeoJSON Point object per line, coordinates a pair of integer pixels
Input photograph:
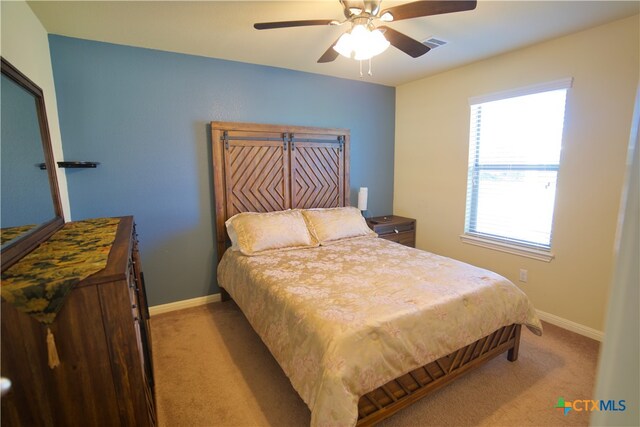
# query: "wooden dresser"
{"type": "Point", "coordinates": [395, 228]}
{"type": "Point", "coordinates": [102, 336]}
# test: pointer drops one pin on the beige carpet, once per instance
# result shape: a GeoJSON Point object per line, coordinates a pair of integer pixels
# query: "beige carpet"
{"type": "Point", "coordinates": [211, 369]}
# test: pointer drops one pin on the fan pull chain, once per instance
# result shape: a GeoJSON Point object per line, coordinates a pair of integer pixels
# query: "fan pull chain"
{"type": "Point", "coordinates": [368, 72]}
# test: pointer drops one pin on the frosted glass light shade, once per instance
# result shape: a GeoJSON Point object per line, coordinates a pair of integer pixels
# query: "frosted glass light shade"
{"type": "Point", "coordinates": [363, 195]}
{"type": "Point", "coordinates": [361, 43]}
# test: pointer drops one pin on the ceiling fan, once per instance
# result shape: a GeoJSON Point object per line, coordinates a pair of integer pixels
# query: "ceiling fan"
{"type": "Point", "coordinates": [365, 17]}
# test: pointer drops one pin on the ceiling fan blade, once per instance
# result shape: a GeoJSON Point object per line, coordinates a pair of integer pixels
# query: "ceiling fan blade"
{"type": "Point", "coordinates": [428, 8]}
{"type": "Point", "coordinates": [287, 24]}
{"type": "Point", "coordinates": [405, 43]}
{"type": "Point", "coordinates": [330, 55]}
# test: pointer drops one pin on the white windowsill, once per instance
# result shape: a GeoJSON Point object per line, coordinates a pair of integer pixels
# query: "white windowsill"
{"type": "Point", "coordinates": [509, 248]}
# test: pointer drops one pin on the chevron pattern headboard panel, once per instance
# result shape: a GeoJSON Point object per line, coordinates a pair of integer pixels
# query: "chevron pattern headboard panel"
{"type": "Point", "coordinates": [264, 168]}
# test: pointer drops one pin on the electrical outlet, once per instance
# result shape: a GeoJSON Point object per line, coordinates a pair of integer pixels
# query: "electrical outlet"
{"type": "Point", "coordinates": [523, 275]}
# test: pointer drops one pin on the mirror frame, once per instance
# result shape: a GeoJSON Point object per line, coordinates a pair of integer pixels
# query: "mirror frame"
{"type": "Point", "coordinates": [20, 246]}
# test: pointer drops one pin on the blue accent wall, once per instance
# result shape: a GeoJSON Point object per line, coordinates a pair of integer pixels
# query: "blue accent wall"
{"type": "Point", "coordinates": [144, 115]}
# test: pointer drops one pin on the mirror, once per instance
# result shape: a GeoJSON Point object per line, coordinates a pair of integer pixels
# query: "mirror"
{"type": "Point", "coordinates": [30, 208]}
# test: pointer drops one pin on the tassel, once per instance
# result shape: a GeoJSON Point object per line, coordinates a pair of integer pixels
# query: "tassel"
{"type": "Point", "coordinates": [54, 361]}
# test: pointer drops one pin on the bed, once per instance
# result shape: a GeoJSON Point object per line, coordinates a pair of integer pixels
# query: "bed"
{"type": "Point", "coordinates": [361, 326]}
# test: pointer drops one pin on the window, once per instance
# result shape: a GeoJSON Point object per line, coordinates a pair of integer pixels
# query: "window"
{"type": "Point", "coordinates": [514, 155]}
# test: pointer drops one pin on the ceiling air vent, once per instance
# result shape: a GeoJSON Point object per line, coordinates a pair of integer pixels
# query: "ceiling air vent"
{"type": "Point", "coordinates": [433, 42]}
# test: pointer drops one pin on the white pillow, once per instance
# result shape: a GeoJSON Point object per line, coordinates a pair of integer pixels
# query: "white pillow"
{"type": "Point", "coordinates": [254, 233]}
{"type": "Point", "coordinates": [336, 224]}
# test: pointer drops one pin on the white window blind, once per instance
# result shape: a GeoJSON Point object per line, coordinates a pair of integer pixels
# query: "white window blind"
{"type": "Point", "coordinates": [514, 155]}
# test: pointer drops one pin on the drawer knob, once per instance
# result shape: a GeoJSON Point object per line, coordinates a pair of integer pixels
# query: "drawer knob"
{"type": "Point", "coordinates": [396, 230]}
{"type": "Point", "coordinates": [5, 385]}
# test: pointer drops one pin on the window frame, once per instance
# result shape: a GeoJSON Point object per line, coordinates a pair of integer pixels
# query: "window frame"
{"type": "Point", "coordinates": [503, 243]}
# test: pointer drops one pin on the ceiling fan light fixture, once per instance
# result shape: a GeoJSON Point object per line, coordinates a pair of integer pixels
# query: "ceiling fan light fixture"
{"type": "Point", "coordinates": [386, 17]}
{"type": "Point", "coordinates": [344, 45]}
{"type": "Point", "coordinates": [361, 43]}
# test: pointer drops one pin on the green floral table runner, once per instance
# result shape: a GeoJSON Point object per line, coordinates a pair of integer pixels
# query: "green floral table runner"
{"type": "Point", "coordinates": [39, 282]}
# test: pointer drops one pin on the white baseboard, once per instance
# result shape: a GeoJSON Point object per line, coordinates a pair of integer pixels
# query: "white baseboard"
{"type": "Point", "coordinates": [179, 305]}
{"type": "Point", "coordinates": [571, 326]}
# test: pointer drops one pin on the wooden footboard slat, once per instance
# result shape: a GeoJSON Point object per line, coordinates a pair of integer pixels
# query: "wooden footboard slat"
{"type": "Point", "coordinates": [361, 413]}
{"type": "Point", "coordinates": [509, 331]}
{"type": "Point", "coordinates": [388, 392]}
{"type": "Point", "coordinates": [487, 340]}
{"type": "Point", "coordinates": [473, 354]}
{"type": "Point", "coordinates": [373, 400]}
{"type": "Point", "coordinates": [464, 359]}
{"type": "Point", "coordinates": [455, 361]}
{"type": "Point", "coordinates": [431, 377]}
{"type": "Point", "coordinates": [420, 384]}
{"type": "Point", "coordinates": [402, 386]}
{"type": "Point", "coordinates": [439, 362]}
{"type": "Point", "coordinates": [496, 340]}
{"type": "Point", "coordinates": [500, 341]}
{"type": "Point", "coordinates": [394, 396]}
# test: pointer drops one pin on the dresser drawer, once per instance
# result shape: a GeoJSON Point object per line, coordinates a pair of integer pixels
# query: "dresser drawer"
{"type": "Point", "coordinates": [395, 228]}
{"type": "Point", "coordinates": [407, 238]}
{"type": "Point", "coordinates": [384, 229]}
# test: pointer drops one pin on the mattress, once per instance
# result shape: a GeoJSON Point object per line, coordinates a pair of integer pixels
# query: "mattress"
{"type": "Point", "coordinates": [341, 320]}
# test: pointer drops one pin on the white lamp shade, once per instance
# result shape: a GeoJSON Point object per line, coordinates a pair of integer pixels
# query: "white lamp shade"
{"type": "Point", "coordinates": [363, 195]}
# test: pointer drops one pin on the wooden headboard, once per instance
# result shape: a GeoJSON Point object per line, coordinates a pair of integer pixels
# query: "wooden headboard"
{"type": "Point", "coordinates": [265, 168]}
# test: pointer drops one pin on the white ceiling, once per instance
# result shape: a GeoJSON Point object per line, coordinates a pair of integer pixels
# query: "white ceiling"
{"type": "Point", "coordinates": [224, 29]}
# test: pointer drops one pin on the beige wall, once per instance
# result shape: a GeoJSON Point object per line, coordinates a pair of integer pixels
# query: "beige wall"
{"type": "Point", "coordinates": [25, 44]}
{"type": "Point", "coordinates": [431, 154]}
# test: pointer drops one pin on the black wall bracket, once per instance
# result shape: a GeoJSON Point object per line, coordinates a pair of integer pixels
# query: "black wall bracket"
{"type": "Point", "coordinates": [75, 165]}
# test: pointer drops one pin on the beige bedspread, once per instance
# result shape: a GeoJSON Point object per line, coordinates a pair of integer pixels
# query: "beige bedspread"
{"type": "Point", "coordinates": [343, 319]}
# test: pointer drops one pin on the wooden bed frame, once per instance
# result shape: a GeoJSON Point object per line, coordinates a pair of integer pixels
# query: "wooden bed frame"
{"type": "Point", "coordinates": [264, 168]}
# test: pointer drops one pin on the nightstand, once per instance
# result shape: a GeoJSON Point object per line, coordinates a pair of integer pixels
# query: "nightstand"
{"type": "Point", "coordinates": [395, 228]}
